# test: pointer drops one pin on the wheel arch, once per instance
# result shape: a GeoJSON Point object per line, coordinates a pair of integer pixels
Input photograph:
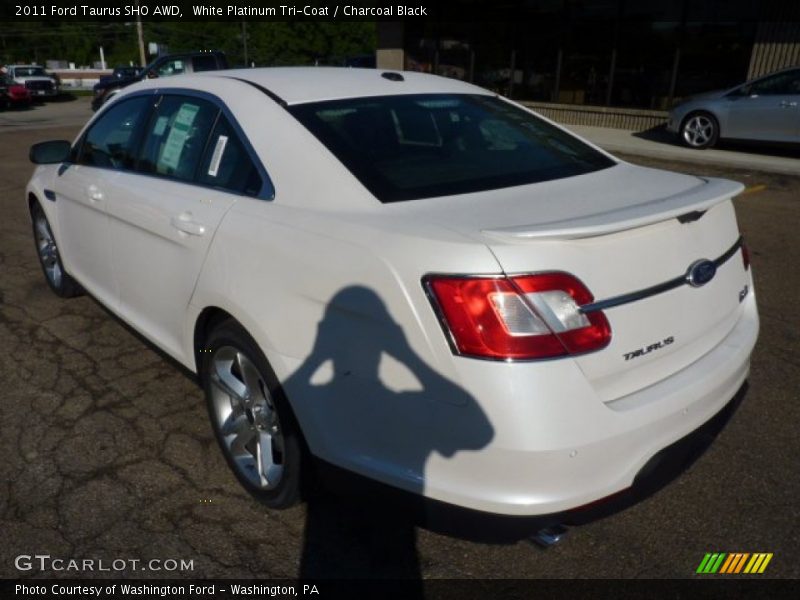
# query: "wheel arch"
{"type": "Point", "coordinates": [208, 318]}
{"type": "Point", "coordinates": [32, 200]}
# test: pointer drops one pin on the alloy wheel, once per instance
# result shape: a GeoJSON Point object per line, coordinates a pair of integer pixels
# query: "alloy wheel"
{"type": "Point", "coordinates": [246, 418]}
{"type": "Point", "coordinates": [48, 251]}
{"type": "Point", "coordinates": [698, 131]}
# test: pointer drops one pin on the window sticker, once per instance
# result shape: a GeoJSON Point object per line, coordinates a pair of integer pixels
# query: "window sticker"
{"type": "Point", "coordinates": [161, 126]}
{"type": "Point", "coordinates": [176, 140]}
{"type": "Point", "coordinates": [216, 157]}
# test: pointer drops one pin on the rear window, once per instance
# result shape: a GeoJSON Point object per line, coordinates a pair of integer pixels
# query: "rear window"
{"type": "Point", "coordinates": [423, 146]}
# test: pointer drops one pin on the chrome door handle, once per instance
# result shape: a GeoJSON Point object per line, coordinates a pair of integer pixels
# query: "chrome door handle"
{"type": "Point", "coordinates": [186, 224]}
{"type": "Point", "coordinates": [786, 103]}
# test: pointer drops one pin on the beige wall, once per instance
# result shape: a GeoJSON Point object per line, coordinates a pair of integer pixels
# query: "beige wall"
{"type": "Point", "coordinates": [777, 46]}
{"type": "Point", "coordinates": [390, 53]}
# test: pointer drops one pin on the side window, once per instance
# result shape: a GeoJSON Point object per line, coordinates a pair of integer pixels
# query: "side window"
{"type": "Point", "coordinates": [782, 83]}
{"type": "Point", "coordinates": [204, 62]}
{"type": "Point", "coordinates": [111, 140]}
{"type": "Point", "coordinates": [176, 137]}
{"type": "Point", "coordinates": [176, 66]}
{"type": "Point", "coordinates": [227, 165]}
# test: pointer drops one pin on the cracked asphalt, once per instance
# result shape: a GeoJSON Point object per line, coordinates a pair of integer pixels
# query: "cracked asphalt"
{"type": "Point", "coordinates": [107, 452]}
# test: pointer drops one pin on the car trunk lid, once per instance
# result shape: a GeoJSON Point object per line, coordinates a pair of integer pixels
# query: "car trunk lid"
{"type": "Point", "coordinates": [627, 233]}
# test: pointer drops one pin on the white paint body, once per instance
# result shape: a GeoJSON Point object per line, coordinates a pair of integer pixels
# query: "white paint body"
{"type": "Point", "coordinates": [520, 438]}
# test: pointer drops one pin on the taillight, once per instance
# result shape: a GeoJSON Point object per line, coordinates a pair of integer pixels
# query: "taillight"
{"type": "Point", "coordinates": [745, 255]}
{"type": "Point", "coordinates": [520, 318]}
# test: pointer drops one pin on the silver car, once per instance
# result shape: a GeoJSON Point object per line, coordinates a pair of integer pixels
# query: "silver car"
{"type": "Point", "coordinates": [764, 109]}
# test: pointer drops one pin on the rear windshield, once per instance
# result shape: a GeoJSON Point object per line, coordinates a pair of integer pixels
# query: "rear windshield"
{"type": "Point", "coordinates": [423, 146]}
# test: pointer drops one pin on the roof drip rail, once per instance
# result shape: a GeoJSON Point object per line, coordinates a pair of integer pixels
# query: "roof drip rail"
{"type": "Point", "coordinates": [264, 90]}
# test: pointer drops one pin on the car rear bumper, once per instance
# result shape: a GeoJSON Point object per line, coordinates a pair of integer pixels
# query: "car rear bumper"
{"type": "Point", "coordinates": [567, 462]}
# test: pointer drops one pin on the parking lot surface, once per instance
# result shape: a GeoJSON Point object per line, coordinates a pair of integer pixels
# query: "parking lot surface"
{"type": "Point", "coordinates": [108, 452]}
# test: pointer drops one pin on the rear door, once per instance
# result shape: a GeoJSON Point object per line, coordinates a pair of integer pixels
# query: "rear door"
{"type": "Point", "coordinates": [192, 168]}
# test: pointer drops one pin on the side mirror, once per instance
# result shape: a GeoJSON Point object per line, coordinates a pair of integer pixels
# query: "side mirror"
{"type": "Point", "coordinates": [50, 153]}
{"type": "Point", "coordinates": [151, 74]}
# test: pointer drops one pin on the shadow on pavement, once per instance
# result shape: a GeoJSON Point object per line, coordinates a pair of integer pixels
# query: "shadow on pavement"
{"type": "Point", "coordinates": [342, 394]}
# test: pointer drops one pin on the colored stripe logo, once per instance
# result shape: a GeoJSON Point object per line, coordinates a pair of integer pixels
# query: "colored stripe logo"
{"type": "Point", "coordinates": [734, 562]}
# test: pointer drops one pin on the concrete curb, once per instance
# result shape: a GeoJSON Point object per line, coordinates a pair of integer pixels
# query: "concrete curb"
{"type": "Point", "coordinates": [662, 146]}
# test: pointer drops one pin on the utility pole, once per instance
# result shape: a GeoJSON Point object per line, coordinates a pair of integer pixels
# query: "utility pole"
{"type": "Point", "coordinates": [140, 36]}
{"type": "Point", "coordinates": [244, 40]}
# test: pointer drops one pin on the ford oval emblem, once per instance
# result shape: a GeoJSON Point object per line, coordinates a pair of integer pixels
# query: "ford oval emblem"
{"type": "Point", "coordinates": [700, 272]}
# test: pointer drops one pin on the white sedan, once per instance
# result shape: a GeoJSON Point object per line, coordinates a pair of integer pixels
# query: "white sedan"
{"type": "Point", "coordinates": [405, 276]}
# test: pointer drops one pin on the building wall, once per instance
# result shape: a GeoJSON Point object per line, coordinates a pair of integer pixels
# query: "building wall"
{"type": "Point", "coordinates": [777, 45]}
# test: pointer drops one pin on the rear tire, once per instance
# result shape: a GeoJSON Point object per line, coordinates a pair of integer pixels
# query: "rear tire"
{"type": "Point", "coordinates": [57, 278]}
{"type": "Point", "coordinates": [699, 130]}
{"type": "Point", "coordinates": [252, 421]}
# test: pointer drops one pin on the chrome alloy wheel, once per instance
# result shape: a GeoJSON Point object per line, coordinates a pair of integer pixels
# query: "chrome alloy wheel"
{"type": "Point", "coordinates": [698, 131]}
{"type": "Point", "coordinates": [48, 252]}
{"type": "Point", "coordinates": [246, 418]}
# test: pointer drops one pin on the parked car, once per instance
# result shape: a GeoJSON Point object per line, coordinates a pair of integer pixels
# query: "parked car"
{"type": "Point", "coordinates": [764, 109]}
{"type": "Point", "coordinates": [163, 66]}
{"type": "Point", "coordinates": [405, 276]}
{"type": "Point", "coordinates": [13, 94]}
{"type": "Point", "coordinates": [121, 72]}
{"type": "Point", "coordinates": [38, 82]}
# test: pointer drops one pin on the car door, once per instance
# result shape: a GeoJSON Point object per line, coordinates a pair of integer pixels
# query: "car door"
{"type": "Point", "coordinates": [766, 109]}
{"type": "Point", "coordinates": [191, 170]}
{"type": "Point", "coordinates": [83, 188]}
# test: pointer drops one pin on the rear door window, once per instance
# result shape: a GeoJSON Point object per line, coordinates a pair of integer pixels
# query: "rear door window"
{"type": "Point", "coordinates": [176, 137]}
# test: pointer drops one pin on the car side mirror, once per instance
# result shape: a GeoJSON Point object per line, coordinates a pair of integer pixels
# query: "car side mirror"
{"type": "Point", "coordinates": [152, 74]}
{"type": "Point", "coordinates": [50, 153]}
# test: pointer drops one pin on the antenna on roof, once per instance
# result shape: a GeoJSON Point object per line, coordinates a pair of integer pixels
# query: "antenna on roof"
{"type": "Point", "coordinates": [391, 76]}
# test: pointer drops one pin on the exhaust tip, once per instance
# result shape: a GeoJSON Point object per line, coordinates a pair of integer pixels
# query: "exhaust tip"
{"type": "Point", "coordinates": [549, 536]}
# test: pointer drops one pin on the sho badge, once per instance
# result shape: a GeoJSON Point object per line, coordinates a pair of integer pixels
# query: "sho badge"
{"type": "Point", "coordinates": [651, 348]}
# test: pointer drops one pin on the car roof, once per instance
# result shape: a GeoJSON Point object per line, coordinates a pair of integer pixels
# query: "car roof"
{"type": "Point", "coordinates": [300, 85]}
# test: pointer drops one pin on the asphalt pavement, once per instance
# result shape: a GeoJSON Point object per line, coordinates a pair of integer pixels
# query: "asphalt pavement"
{"type": "Point", "coordinates": [108, 452]}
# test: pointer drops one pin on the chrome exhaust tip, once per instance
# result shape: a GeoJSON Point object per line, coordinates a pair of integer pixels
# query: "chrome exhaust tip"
{"type": "Point", "coordinates": [549, 536]}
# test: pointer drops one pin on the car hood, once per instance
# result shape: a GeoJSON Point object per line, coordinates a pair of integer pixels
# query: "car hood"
{"type": "Point", "coordinates": [114, 82]}
{"type": "Point", "coordinates": [33, 78]}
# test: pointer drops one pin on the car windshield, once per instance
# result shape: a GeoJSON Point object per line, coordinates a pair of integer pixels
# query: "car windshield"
{"type": "Point", "coordinates": [29, 72]}
{"type": "Point", "coordinates": [427, 145]}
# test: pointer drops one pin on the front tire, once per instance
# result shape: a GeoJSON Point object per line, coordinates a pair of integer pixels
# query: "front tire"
{"type": "Point", "coordinates": [253, 423]}
{"type": "Point", "coordinates": [700, 130]}
{"type": "Point", "coordinates": [49, 258]}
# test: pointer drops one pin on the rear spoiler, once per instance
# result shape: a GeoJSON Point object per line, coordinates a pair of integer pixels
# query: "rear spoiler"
{"type": "Point", "coordinates": [698, 199]}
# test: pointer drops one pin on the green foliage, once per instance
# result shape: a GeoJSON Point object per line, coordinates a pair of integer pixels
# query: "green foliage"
{"type": "Point", "coordinates": [268, 43]}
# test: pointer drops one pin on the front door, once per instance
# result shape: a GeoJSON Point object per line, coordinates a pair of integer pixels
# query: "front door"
{"type": "Point", "coordinates": [766, 109]}
{"type": "Point", "coordinates": [84, 189]}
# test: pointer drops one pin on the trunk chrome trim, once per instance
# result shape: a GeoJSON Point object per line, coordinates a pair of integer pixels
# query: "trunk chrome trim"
{"type": "Point", "coordinates": [656, 289]}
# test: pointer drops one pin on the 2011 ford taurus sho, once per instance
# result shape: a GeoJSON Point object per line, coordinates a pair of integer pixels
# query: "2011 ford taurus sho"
{"type": "Point", "coordinates": [405, 276]}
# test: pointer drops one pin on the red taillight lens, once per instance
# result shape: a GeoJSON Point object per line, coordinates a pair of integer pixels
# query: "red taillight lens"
{"type": "Point", "coordinates": [525, 317]}
{"type": "Point", "coordinates": [745, 256]}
